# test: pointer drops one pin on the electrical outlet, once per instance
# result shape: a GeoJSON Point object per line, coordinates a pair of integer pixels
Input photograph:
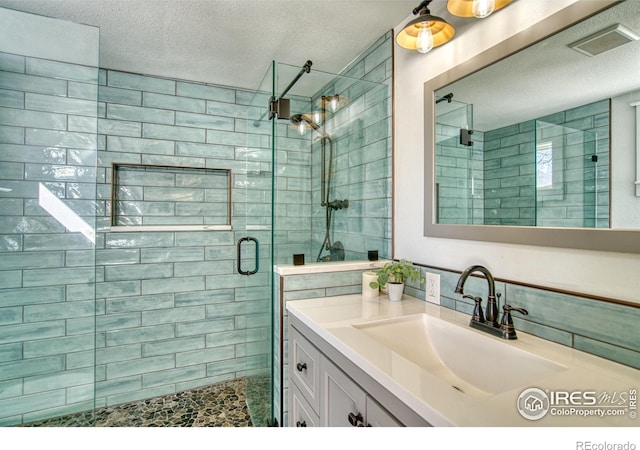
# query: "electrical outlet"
{"type": "Point", "coordinates": [432, 288]}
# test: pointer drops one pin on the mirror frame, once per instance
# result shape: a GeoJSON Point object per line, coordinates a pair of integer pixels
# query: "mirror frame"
{"type": "Point", "coordinates": [610, 240]}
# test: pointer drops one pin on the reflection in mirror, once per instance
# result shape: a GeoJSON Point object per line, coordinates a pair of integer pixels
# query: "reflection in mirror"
{"type": "Point", "coordinates": [552, 171]}
{"type": "Point", "coordinates": [526, 141]}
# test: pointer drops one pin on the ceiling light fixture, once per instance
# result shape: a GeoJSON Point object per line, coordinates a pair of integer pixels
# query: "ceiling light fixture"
{"type": "Point", "coordinates": [475, 8]}
{"type": "Point", "coordinates": [426, 31]}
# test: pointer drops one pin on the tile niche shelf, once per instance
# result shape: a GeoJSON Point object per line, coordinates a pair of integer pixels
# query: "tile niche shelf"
{"type": "Point", "coordinates": [169, 198]}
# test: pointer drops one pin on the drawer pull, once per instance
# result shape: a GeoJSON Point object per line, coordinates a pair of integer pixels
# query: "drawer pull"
{"type": "Point", "coordinates": [301, 424]}
{"type": "Point", "coordinates": [301, 366]}
{"type": "Point", "coordinates": [354, 419]}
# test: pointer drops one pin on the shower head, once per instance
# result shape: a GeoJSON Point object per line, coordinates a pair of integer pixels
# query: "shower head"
{"type": "Point", "coordinates": [303, 121]}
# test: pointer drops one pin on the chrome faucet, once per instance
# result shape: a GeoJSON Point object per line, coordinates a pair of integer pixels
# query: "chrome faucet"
{"type": "Point", "coordinates": [489, 321]}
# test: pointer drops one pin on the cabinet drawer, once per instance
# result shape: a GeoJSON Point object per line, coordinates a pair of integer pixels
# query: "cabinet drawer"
{"type": "Point", "coordinates": [300, 412]}
{"type": "Point", "coordinates": [304, 367]}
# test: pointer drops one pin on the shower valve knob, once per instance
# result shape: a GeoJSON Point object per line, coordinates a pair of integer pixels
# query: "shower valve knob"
{"type": "Point", "coordinates": [339, 204]}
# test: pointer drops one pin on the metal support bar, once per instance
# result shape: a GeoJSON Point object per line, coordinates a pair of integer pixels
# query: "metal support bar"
{"type": "Point", "coordinates": [305, 69]}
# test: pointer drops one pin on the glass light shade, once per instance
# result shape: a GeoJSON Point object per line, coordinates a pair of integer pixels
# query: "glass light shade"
{"type": "Point", "coordinates": [441, 32]}
{"type": "Point", "coordinates": [424, 41]}
{"type": "Point", "coordinates": [301, 128]}
{"type": "Point", "coordinates": [465, 8]}
{"type": "Point", "coordinates": [483, 8]}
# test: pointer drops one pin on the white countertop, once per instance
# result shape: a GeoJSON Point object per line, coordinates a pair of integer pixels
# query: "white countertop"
{"type": "Point", "coordinates": [434, 400]}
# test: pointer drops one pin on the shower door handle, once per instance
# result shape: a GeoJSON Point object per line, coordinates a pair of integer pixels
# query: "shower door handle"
{"type": "Point", "coordinates": [248, 272]}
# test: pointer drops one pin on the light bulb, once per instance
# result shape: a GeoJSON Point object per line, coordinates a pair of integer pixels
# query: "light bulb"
{"type": "Point", "coordinates": [483, 8]}
{"type": "Point", "coordinates": [301, 128]}
{"type": "Point", "coordinates": [424, 41]}
{"type": "Point", "coordinates": [316, 117]}
{"type": "Point", "coordinates": [333, 104]}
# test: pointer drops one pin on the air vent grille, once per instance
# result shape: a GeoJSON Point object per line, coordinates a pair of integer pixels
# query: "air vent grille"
{"type": "Point", "coordinates": [604, 40]}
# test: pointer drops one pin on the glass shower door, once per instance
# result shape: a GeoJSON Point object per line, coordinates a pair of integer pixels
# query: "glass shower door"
{"type": "Point", "coordinates": [253, 192]}
{"type": "Point", "coordinates": [48, 204]}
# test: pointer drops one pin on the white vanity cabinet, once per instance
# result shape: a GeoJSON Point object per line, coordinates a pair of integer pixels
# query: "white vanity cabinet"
{"type": "Point", "coordinates": [325, 390]}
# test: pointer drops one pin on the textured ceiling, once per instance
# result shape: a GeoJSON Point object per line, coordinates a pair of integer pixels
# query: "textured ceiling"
{"type": "Point", "coordinates": [227, 42]}
{"type": "Point", "coordinates": [549, 76]}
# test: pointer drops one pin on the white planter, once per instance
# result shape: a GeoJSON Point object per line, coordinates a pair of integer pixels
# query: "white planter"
{"type": "Point", "coordinates": [395, 291]}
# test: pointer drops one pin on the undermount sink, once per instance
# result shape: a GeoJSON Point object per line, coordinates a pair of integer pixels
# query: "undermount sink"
{"type": "Point", "coordinates": [468, 361]}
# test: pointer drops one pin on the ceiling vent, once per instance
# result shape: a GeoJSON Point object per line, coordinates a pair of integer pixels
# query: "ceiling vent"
{"type": "Point", "coordinates": [604, 40]}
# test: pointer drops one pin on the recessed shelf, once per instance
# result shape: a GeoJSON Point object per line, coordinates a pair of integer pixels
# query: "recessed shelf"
{"type": "Point", "coordinates": [169, 198]}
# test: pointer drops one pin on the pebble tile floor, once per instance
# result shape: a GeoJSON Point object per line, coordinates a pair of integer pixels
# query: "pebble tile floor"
{"type": "Point", "coordinates": [218, 405]}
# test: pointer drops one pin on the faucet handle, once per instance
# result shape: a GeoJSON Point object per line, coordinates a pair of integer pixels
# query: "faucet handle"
{"type": "Point", "coordinates": [508, 308]}
{"type": "Point", "coordinates": [478, 315]}
{"type": "Point", "coordinates": [506, 324]}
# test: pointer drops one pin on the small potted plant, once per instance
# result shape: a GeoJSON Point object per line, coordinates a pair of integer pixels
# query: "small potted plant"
{"type": "Point", "coordinates": [395, 274]}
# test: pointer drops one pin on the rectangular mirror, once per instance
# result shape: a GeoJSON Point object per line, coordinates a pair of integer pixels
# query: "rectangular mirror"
{"type": "Point", "coordinates": [534, 140]}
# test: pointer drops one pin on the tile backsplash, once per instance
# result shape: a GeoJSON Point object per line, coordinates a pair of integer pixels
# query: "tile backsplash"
{"type": "Point", "coordinates": [602, 328]}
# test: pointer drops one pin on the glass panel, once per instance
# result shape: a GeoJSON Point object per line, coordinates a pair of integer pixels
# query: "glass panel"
{"type": "Point", "coordinates": [253, 218]}
{"type": "Point", "coordinates": [333, 168]}
{"type": "Point", "coordinates": [48, 156]}
{"type": "Point", "coordinates": [567, 187]}
{"type": "Point", "coordinates": [460, 171]}
{"type": "Point", "coordinates": [332, 178]}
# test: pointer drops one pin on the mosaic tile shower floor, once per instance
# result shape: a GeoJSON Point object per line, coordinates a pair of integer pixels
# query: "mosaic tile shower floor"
{"type": "Point", "coordinates": [218, 405]}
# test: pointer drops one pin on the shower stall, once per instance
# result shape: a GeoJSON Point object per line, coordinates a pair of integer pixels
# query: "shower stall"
{"type": "Point", "coordinates": [138, 240]}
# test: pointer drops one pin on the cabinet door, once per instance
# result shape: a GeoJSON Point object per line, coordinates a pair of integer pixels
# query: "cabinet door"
{"type": "Point", "coordinates": [304, 368]}
{"type": "Point", "coordinates": [342, 402]}
{"type": "Point", "coordinates": [377, 416]}
{"type": "Point", "coordinates": [300, 412]}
